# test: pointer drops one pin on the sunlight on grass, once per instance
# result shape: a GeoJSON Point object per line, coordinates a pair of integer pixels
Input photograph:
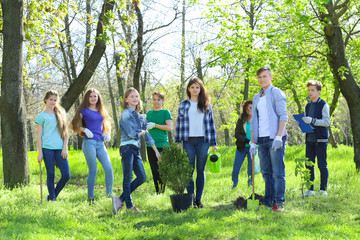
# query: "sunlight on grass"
{"type": "Point", "coordinates": [23, 216]}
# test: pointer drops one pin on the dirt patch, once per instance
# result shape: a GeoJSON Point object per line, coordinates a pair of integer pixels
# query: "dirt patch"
{"type": "Point", "coordinates": [241, 202]}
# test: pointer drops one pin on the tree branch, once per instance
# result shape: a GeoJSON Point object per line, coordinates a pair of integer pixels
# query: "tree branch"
{"type": "Point", "coordinates": [339, 14]}
{"type": "Point", "coordinates": [84, 77]}
{"type": "Point", "coordinates": [165, 25]}
{"type": "Point", "coordinates": [336, 7]}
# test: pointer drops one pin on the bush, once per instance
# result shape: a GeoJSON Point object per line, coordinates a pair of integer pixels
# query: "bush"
{"type": "Point", "coordinates": [175, 169]}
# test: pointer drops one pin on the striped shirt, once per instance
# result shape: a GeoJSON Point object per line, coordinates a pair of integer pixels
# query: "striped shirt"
{"type": "Point", "coordinates": [182, 124]}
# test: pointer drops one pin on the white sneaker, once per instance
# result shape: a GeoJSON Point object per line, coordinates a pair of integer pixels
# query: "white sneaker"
{"type": "Point", "coordinates": [322, 193]}
{"type": "Point", "coordinates": [309, 193]}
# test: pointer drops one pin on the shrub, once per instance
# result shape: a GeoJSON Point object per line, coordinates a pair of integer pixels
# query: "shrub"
{"type": "Point", "coordinates": [175, 169]}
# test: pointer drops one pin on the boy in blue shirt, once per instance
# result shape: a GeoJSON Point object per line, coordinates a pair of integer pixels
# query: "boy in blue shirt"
{"type": "Point", "coordinates": [317, 114]}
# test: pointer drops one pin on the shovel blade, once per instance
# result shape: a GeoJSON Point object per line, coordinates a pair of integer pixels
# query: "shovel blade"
{"type": "Point", "coordinates": [252, 204]}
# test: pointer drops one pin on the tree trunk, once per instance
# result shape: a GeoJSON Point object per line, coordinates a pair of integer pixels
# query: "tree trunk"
{"type": "Point", "coordinates": [113, 106]}
{"type": "Point", "coordinates": [333, 104]}
{"type": "Point", "coordinates": [78, 85]}
{"type": "Point", "coordinates": [226, 130]}
{"type": "Point", "coordinates": [13, 110]}
{"type": "Point", "coordinates": [30, 136]}
{"type": "Point", "coordinates": [140, 54]}
{"type": "Point", "coordinates": [182, 66]}
{"type": "Point", "coordinates": [342, 73]}
{"type": "Point", "coordinates": [199, 69]}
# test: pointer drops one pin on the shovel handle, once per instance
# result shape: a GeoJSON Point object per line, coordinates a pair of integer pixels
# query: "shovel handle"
{"type": "Point", "coordinates": [41, 182]}
{"type": "Point", "coordinates": [253, 176]}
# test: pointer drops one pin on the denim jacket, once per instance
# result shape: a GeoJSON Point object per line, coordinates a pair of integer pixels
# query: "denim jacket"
{"type": "Point", "coordinates": [276, 108]}
{"type": "Point", "coordinates": [131, 124]}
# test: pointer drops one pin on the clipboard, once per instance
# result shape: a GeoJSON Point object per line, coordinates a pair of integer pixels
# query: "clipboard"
{"type": "Point", "coordinates": [305, 128]}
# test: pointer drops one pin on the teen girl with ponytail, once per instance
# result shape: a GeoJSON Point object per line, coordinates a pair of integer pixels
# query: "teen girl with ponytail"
{"type": "Point", "coordinates": [52, 141]}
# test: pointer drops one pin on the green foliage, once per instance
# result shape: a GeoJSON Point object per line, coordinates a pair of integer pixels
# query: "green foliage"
{"type": "Point", "coordinates": [175, 169]}
{"type": "Point", "coordinates": [303, 172]}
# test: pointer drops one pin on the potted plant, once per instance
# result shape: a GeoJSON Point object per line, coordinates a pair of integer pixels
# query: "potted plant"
{"type": "Point", "coordinates": [176, 172]}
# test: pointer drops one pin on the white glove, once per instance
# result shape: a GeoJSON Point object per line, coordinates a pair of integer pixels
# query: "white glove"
{"type": "Point", "coordinates": [88, 133]}
{"type": "Point", "coordinates": [143, 116]}
{"type": "Point", "coordinates": [307, 120]}
{"type": "Point", "coordinates": [107, 137]}
{"type": "Point", "coordinates": [150, 125]}
{"type": "Point", "coordinates": [252, 149]}
{"type": "Point", "coordinates": [277, 143]}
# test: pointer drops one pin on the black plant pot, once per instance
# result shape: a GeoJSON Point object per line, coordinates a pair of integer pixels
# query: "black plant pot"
{"type": "Point", "coordinates": [181, 202]}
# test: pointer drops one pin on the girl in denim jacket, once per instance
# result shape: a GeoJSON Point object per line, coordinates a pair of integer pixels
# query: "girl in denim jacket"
{"type": "Point", "coordinates": [132, 126]}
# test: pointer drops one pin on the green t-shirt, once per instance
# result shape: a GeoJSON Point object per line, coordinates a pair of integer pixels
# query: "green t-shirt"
{"type": "Point", "coordinates": [50, 138]}
{"type": "Point", "coordinates": [159, 117]}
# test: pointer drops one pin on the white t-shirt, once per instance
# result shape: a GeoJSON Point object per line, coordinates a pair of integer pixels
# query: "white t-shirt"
{"type": "Point", "coordinates": [264, 128]}
{"type": "Point", "coordinates": [196, 121]}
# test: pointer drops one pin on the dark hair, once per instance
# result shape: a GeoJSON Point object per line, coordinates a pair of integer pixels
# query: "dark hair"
{"type": "Point", "coordinates": [159, 94]}
{"type": "Point", "coordinates": [244, 116]}
{"type": "Point", "coordinates": [203, 98]}
{"type": "Point", "coordinates": [260, 70]}
{"type": "Point", "coordinates": [317, 84]}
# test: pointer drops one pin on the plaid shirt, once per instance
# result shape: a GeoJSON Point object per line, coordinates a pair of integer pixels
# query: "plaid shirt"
{"type": "Point", "coordinates": [182, 124]}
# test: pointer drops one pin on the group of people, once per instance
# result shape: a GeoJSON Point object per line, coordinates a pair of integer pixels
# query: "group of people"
{"type": "Point", "coordinates": [262, 123]}
{"type": "Point", "coordinates": [261, 128]}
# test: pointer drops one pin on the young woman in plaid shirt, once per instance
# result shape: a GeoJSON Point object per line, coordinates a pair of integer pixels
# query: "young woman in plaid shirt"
{"type": "Point", "coordinates": [195, 128]}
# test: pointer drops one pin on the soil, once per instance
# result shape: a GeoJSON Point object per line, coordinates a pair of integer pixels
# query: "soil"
{"type": "Point", "coordinates": [241, 202]}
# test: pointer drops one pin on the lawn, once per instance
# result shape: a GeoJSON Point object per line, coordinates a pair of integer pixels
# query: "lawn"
{"type": "Point", "coordinates": [23, 216]}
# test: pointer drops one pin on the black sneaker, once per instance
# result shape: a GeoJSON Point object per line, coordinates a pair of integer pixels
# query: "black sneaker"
{"type": "Point", "coordinates": [198, 203]}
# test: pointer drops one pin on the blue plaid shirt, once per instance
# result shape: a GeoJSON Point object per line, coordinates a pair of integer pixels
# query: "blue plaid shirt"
{"type": "Point", "coordinates": [182, 124]}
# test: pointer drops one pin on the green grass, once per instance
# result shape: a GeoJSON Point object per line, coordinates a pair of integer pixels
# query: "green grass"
{"type": "Point", "coordinates": [23, 216]}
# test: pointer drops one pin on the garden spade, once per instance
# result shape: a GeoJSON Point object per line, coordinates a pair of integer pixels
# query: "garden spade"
{"type": "Point", "coordinates": [41, 182]}
{"type": "Point", "coordinates": [253, 204]}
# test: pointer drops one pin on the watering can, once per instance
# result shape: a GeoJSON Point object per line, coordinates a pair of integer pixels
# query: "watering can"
{"type": "Point", "coordinates": [215, 162]}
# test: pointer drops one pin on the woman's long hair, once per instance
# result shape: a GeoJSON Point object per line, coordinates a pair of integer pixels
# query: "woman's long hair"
{"type": "Point", "coordinates": [59, 113]}
{"type": "Point", "coordinates": [78, 122]}
{"type": "Point", "coordinates": [244, 116]}
{"type": "Point", "coordinates": [124, 104]}
{"type": "Point", "coordinates": [203, 98]}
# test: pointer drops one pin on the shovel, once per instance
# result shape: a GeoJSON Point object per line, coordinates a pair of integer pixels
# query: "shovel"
{"type": "Point", "coordinates": [253, 204]}
{"type": "Point", "coordinates": [41, 182]}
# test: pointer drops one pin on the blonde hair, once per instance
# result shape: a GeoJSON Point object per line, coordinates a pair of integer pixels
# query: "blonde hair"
{"type": "Point", "coordinates": [78, 122]}
{"type": "Point", "coordinates": [59, 113]}
{"type": "Point", "coordinates": [124, 104]}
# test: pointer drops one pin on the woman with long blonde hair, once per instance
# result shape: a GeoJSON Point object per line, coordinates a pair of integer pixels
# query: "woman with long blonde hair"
{"type": "Point", "coordinates": [92, 122]}
{"type": "Point", "coordinates": [52, 141]}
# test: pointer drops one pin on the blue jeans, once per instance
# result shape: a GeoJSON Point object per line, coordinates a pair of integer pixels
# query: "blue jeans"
{"type": "Point", "coordinates": [239, 159]}
{"type": "Point", "coordinates": [273, 171]}
{"type": "Point", "coordinates": [199, 148]}
{"type": "Point", "coordinates": [96, 149]}
{"type": "Point", "coordinates": [318, 149]}
{"type": "Point", "coordinates": [50, 156]}
{"type": "Point", "coordinates": [131, 161]}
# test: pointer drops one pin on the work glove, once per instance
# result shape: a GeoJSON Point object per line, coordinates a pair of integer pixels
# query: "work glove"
{"type": "Point", "coordinates": [307, 119]}
{"type": "Point", "coordinates": [252, 149]}
{"type": "Point", "coordinates": [143, 116]}
{"type": "Point", "coordinates": [150, 125]}
{"type": "Point", "coordinates": [277, 143]}
{"type": "Point", "coordinates": [88, 133]}
{"type": "Point", "coordinates": [107, 137]}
